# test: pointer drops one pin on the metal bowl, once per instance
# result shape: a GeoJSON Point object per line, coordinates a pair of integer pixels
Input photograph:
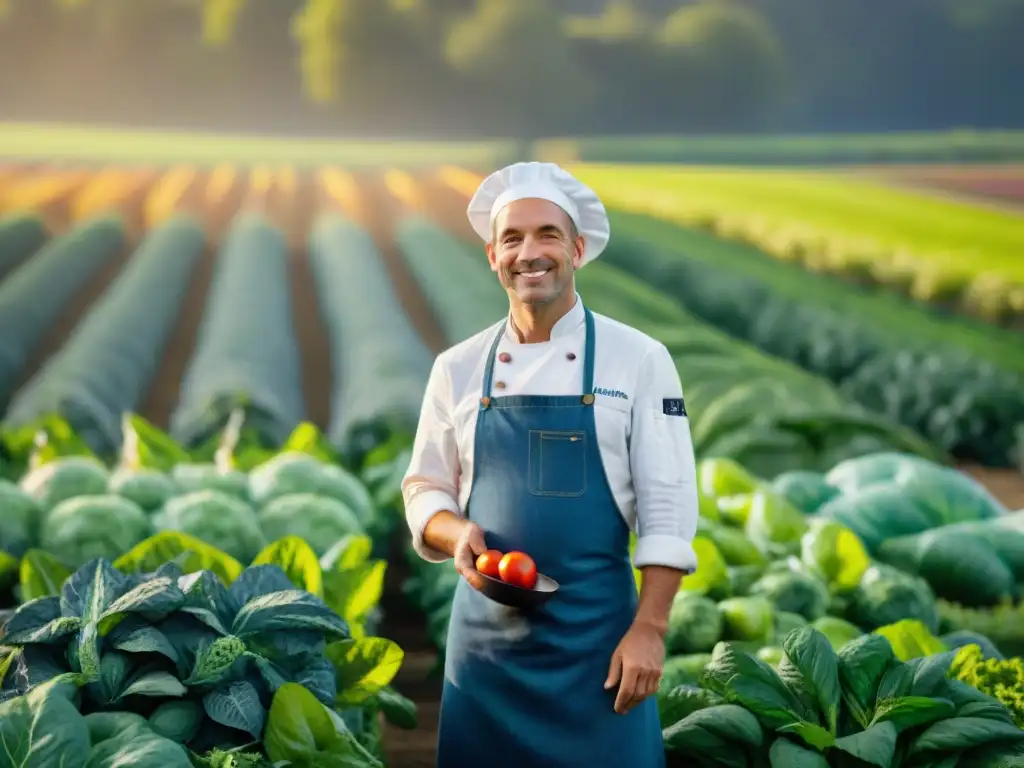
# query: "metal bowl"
{"type": "Point", "coordinates": [517, 597]}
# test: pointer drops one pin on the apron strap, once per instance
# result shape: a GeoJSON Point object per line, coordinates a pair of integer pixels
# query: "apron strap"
{"type": "Point", "coordinates": [485, 397]}
{"type": "Point", "coordinates": [588, 363]}
{"type": "Point", "coordinates": [588, 358]}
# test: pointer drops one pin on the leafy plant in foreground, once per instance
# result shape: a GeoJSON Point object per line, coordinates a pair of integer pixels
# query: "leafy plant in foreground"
{"type": "Point", "coordinates": [856, 708]}
{"type": "Point", "coordinates": [199, 659]}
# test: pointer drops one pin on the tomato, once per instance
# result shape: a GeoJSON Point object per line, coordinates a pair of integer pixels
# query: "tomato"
{"type": "Point", "coordinates": [519, 569]}
{"type": "Point", "coordinates": [487, 563]}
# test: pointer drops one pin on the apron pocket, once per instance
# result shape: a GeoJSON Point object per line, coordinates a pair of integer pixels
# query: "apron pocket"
{"type": "Point", "coordinates": [558, 462]}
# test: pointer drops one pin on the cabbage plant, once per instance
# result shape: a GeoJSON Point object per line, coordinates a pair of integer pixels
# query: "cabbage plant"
{"type": "Point", "coordinates": [200, 660]}
{"type": "Point", "coordinates": [859, 706]}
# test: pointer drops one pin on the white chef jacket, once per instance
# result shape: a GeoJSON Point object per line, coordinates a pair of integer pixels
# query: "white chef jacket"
{"type": "Point", "coordinates": [647, 454]}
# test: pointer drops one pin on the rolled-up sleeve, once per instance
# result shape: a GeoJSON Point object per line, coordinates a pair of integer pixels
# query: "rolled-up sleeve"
{"type": "Point", "coordinates": [431, 483]}
{"type": "Point", "coordinates": [663, 466]}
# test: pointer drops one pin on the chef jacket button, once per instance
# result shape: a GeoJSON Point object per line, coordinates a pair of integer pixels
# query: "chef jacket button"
{"type": "Point", "coordinates": [571, 356]}
{"type": "Point", "coordinates": [505, 357]}
{"type": "Point", "coordinates": [499, 385]}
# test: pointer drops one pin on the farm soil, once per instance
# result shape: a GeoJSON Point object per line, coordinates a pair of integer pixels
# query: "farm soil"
{"type": "Point", "coordinates": [162, 397]}
{"type": "Point", "coordinates": [295, 214]}
{"type": "Point", "coordinates": [379, 210]}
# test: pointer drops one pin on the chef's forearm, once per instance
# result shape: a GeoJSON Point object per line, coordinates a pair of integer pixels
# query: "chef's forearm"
{"type": "Point", "coordinates": [657, 591]}
{"type": "Point", "coordinates": [443, 530]}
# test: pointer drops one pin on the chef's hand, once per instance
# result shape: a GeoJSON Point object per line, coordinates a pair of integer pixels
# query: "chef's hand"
{"type": "Point", "coordinates": [469, 546]}
{"type": "Point", "coordinates": [636, 666]}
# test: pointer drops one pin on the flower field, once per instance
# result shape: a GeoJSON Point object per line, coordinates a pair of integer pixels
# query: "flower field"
{"type": "Point", "coordinates": [209, 378]}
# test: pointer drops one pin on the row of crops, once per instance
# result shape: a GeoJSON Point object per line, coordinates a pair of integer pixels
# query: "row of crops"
{"type": "Point", "coordinates": [867, 593]}
{"type": "Point", "coordinates": [931, 250]}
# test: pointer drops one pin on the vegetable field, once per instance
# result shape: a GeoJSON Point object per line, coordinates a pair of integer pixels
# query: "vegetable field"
{"type": "Point", "coordinates": [210, 374]}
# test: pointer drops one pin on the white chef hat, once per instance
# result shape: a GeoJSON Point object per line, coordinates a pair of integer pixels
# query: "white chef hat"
{"type": "Point", "coordinates": [546, 181]}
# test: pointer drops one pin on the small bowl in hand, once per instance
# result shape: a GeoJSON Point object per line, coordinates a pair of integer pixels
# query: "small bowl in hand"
{"type": "Point", "coordinates": [515, 596]}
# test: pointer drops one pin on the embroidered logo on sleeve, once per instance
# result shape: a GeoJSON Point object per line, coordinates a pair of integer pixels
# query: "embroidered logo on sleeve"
{"type": "Point", "coordinates": [673, 406]}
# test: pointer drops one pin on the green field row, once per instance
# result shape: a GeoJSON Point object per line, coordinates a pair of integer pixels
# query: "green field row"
{"type": "Point", "coordinates": [812, 149]}
{"type": "Point", "coordinates": [953, 255]}
{"type": "Point", "coordinates": [83, 142]}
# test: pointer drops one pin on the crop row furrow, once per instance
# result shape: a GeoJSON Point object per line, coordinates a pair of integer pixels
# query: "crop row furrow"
{"type": "Point", "coordinates": [33, 296]}
{"type": "Point", "coordinates": [379, 363]}
{"type": "Point", "coordinates": [105, 366]}
{"type": "Point", "coordinates": [246, 354]}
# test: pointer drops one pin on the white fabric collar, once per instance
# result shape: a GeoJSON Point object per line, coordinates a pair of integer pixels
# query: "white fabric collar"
{"type": "Point", "coordinates": [567, 324]}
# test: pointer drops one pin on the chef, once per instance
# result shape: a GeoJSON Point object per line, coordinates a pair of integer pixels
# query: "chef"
{"type": "Point", "coordinates": [554, 432]}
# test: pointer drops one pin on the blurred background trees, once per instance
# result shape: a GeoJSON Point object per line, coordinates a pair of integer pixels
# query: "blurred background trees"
{"type": "Point", "coordinates": [461, 68]}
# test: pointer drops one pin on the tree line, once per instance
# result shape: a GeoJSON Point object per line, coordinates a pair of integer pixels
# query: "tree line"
{"type": "Point", "coordinates": [522, 68]}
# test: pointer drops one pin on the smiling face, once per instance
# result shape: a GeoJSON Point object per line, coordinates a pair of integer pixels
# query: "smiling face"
{"type": "Point", "coordinates": [535, 250]}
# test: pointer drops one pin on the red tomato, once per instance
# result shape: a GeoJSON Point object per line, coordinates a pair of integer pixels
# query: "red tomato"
{"type": "Point", "coordinates": [487, 563]}
{"type": "Point", "coordinates": [519, 569]}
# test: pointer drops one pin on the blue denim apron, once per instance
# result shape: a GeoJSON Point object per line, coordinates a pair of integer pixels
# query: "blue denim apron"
{"type": "Point", "coordinates": [525, 687]}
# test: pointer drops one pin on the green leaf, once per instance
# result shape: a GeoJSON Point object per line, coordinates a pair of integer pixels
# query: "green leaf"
{"type": "Point", "coordinates": [897, 682]}
{"type": "Point", "coordinates": [107, 725]}
{"type": "Point", "coordinates": [190, 553]}
{"type": "Point", "coordinates": [397, 709]}
{"type": "Point", "coordinates": [215, 660]}
{"type": "Point", "coordinates": [155, 598]}
{"type": "Point", "coordinates": [86, 652]}
{"type": "Point", "coordinates": [43, 728]}
{"type": "Point", "coordinates": [53, 438]}
{"type": "Point", "coordinates": [40, 622]}
{"type": "Point", "coordinates": [8, 570]}
{"type": "Point", "coordinates": [363, 667]}
{"type": "Point", "coordinates": [155, 684]}
{"type": "Point", "coordinates": [307, 438]}
{"type": "Point", "coordinates": [834, 554]}
{"type": "Point", "coordinates": [291, 609]}
{"type": "Point", "coordinates": [354, 592]}
{"type": "Point", "coordinates": [863, 663]}
{"type": "Point", "coordinates": [812, 734]}
{"type": "Point", "coordinates": [712, 571]}
{"type": "Point", "coordinates": [139, 747]}
{"type": "Point", "coordinates": [347, 552]}
{"type": "Point", "coordinates": [148, 446]}
{"type": "Point", "coordinates": [961, 733]}
{"type": "Point", "coordinates": [91, 589]}
{"type": "Point", "coordinates": [145, 639]}
{"type": "Point", "coordinates": [811, 663]}
{"type": "Point", "coordinates": [298, 725]}
{"type": "Point", "coordinates": [743, 679]}
{"type": "Point", "coordinates": [236, 706]}
{"type": "Point", "coordinates": [930, 674]}
{"type": "Point", "coordinates": [113, 671]}
{"type": "Point", "coordinates": [874, 745]}
{"type": "Point", "coordinates": [41, 575]}
{"type": "Point", "coordinates": [910, 639]}
{"type": "Point", "coordinates": [177, 720]}
{"type": "Point", "coordinates": [912, 711]}
{"type": "Point", "coordinates": [298, 560]}
{"type": "Point", "coordinates": [785, 754]}
{"type": "Point", "coordinates": [720, 731]}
